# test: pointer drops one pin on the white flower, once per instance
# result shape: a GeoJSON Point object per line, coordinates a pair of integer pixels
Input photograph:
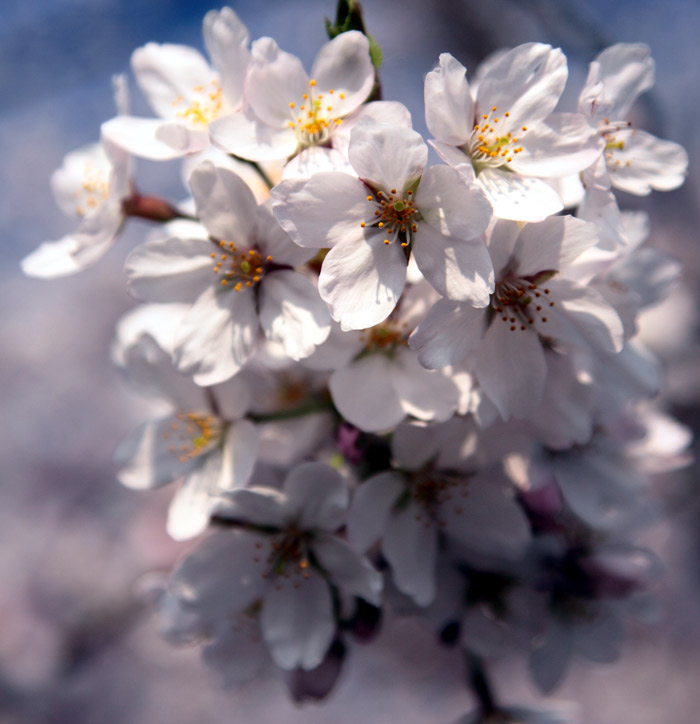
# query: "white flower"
{"type": "Point", "coordinates": [185, 91]}
{"type": "Point", "coordinates": [410, 507]}
{"type": "Point", "coordinates": [253, 284]}
{"type": "Point", "coordinates": [205, 442]}
{"type": "Point", "coordinates": [534, 304]}
{"type": "Point", "coordinates": [92, 184]}
{"type": "Point", "coordinates": [373, 223]}
{"type": "Point", "coordinates": [290, 113]}
{"type": "Point", "coordinates": [281, 560]}
{"type": "Point", "coordinates": [507, 135]}
{"type": "Point", "coordinates": [636, 161]}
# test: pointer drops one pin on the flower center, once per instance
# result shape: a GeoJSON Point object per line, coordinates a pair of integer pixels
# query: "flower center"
{"type": "Point", "coordinates": [204, 107]}
{"type": "Point", "coordinates": [433, 491]}
{"type": "Point", "coordinates": [607, 130]}
{"type": "Point", "coordinates": [518, 301]}
{"type": "Point", "coordinates": [191, 434]}
{"type": "Point", "coordinates": [287, 555]}
{"type": "Point", "coordinates": [94, 188]}
{"type": "Point", "coordinates": [314, 118]}
{"type": "Point", "coordinates": [492, 142]}
{"type": "Point", "coordinates": [385, 337]}
{"type": "Point", "coordinates": [239, 268]}
{"type": "Point", "coordinates": [395, 215]}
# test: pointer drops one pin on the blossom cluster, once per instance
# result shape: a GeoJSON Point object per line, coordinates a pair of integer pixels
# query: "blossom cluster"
{"type": "Point", "coordinates": [395, 386]}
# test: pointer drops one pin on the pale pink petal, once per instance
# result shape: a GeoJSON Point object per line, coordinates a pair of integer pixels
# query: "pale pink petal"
{"type": "Point", "coordinates": [391, 113]}
{"type": "Point", "coordinates": [347, 569]}
{"type": "Point", "coordinates": [449, 107]}
{"type": "Point", "coordinates": [244, 135]}
{"type": "Point", "coordinates": [387, 157]}
{"type": "Point", "coordinates": [525, 82]}
{"type": "Point", "coordinates": [272, 240]}
{"type": "Point", "coordinates": [226, 40]}
{"type": "Point", "coordinates": [460, 269]}
{"type": "Point", "coordinates": [371, 506]}
{"type": "Point", "coordinates": [225, 204]}
{"type": "Point", "coordinates": [552, 244]}
{"type": "Point", "coordinates": [274, 80]}
{"type": "Point", "coordinates": [511, 369]}
{"type": "Point", "coordinates": [565, 144]}
{"type": "Point", "coordinates": [364, 394]}
{"type": "Point", "coordinates": [319, 496]}
{"type": "Point", "coordinates": [238, 455]}
{"type": "Point", "coordinates": [645, 163]}
{"type": "Point", "coordinates": [167, 72]}
{"type": "Point", "coordinates": [182, 139]}
{"type": "Point", "coordinates": [362, 279]}
{"type": "Point", "coordinates": [323, 210]}
{"type": "Point", "coordinates": [292, 313]}
{"type": "Point", "coordinates": [138, 137]}
{"type": "Point", "coordinates": [317, 159]}
{"type": "Point", "coordinates": [216, 336]}
{"type": "Point", "coordinates": [410, 546]}
{"type": "Point", "coordinates": [448, 333]}
{"type": "Point", "coordinates": [520, 198]}
{"type": "Point", "coordinates": [425, 394]}
{"type": "Point", "coordinates": [170, 270]}
{"type": "Point", "coordinates": [145, 458]}
{"type": "Point", "coordinates": [344, 65]}
{"type": "Point", "coordinates": [297, 622]}
{"type": "Point", "coordinates": [451, 205]}
{"type": "Point", "coordinates": [617, 77]}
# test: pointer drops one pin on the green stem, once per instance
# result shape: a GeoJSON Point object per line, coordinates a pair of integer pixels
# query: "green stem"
{"type": "Point", "coordinates": [266, 179]}
{"type": "Point", "coordinates": [308, 408]}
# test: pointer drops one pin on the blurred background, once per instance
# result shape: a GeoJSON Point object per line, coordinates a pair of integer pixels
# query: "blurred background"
{"type": "Point", "coordinates": [75, 644]}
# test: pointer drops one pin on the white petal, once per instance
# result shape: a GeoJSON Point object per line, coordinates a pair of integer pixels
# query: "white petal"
{"type": "Point", "coordinates": [239, 455]}
{"type": "Point", "coordinates": [318, 494]}
{"type": "Point", "coordinates": [387, 157]}
{"type": "Point", "coordinates": [323, 210]}
{"type": "Point", "coordinates": [274, 79]}
{"type": "Point", "coordinates": [244, 135]}
{"type": "Point", "coordinates": [144, 460]}
{"type": "Point", "coordinates": [170, 270]}
{"type": "Point", "coordinates": [138, 137]}
{"type": "Point", "coordinates": [425, 394]}
{"type": "Point", "coordinates": [364, 394]}
{"type": "Point", "coordinates": [448, 333]}
{"type": "Point", "coordinates": [52, 259]}
{"type": "Point", "coordinates": [449, 108]}
{"type": "Point", "coordinates": [370, 509]}
{"type": "Point", "coordinates": [362, 279]}
{"type": "Point", "coordinates": [617, 77]}
{"type": "Point", "coordinates": [552, 244]}
{"type": "Point", "coordinates": [565, 144]}
{"type": "Point", "coordinates": [298, 623]}
{"type": "Point", "coordinates": [460, 269]}
{"type": "Point", "coordinates": [525, 82]}
{"type": "Point", "coordinates": [391, 113]}
{"type": "Point", "coordinates": [452, 205]}
{"type": "Point", "coordinates": [182, 139]}
{"type": "Point", "coordinates": [256, 506]}
{"type": "Point", "coordinates": [646, 163]}
{"type": "Point", "coordinates": [594, 318]}
{"type": "Point", "coordinates": [344, 65]}
{"type": "Point", "coordinates": [225, 204]}
{"type": "Point", "coordinates": [317, 159]}
{"type": "Point", "coordinates": [216, 336]}
{"type": "Point", "coordinates": [221, 576]}
{"type": "Point", "coordinates": [226, 40]}
{"type": "Point", "coordinates": [549, 661]}
{"type": "Point", "coordinates": [166, 72]}
{"type": "Point", "coordinates": [292, 313]}
{"type": "Point", "coordinates": [347, 569]}
{"type": "Point", "coordinates": [520, 198]}
{"type": "Point", "coordinates": [511, 369]}
{"type": "Point", "coordinates": [188, 514]}
{"type": "Point", "coordinates": [410, 546]}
